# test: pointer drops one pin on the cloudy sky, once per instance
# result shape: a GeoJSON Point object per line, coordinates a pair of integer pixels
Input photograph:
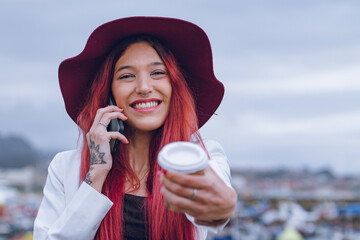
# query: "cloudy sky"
{"type": "Point", "coordinates": [291, 70]}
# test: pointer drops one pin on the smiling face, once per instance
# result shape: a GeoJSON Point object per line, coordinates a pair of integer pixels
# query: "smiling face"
{"type": "Point", "coordinates": [141, 86]}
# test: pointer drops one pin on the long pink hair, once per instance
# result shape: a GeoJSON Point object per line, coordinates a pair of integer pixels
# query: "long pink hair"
{"type": "Point", "coordinates": [180, 125]}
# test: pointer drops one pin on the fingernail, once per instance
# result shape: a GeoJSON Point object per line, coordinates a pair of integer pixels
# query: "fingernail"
{"type": "Point", "coordinates": [125, 115]}
{"type": "Point", "coordinates": [128, 140]}
{"type": "Point", "coordinates": [164, 171]}
{"type": "Point", "coordinates": [120, 108]}
{"type": "Point", "coordinates": [107, 105]}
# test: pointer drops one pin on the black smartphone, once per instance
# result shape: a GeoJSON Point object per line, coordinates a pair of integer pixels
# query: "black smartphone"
{"type": "Point", "coordinates": [114, 125]}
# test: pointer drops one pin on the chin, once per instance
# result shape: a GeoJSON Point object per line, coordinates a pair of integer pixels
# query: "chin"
{"type": "Point", "coordinates": [147, 126]}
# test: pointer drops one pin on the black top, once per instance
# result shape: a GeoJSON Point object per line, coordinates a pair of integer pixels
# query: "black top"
{"type": "Point", "coordinates": [134, 217]}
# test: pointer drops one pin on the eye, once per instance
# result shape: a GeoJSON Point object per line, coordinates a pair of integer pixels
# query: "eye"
{"type": "Point", "coordinates": [126, 76]}
{"type": "Point", "coordinates": [158, 73]}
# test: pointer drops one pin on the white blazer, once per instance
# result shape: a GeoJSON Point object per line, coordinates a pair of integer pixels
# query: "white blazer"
{"type": "Point", "coordinates": [71, 209]}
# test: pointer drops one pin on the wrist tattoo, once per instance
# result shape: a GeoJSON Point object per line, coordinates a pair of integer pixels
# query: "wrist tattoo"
{"type": "Point", "coordinates": [88, 177]}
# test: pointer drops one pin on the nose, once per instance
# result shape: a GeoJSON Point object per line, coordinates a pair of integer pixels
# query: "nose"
{"type": "Point", "coordinates": [144, 86]}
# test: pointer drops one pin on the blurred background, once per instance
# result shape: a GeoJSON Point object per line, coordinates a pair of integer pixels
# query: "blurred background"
{"type": "Point", "coordinates": [289, 121]}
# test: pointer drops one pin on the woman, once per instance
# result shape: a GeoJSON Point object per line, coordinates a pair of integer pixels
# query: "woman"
{"type": "Point", "coordinates": [159, 72]}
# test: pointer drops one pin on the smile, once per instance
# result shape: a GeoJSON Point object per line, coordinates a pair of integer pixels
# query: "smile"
{"type": "Point", "coordinates": [146, 105]}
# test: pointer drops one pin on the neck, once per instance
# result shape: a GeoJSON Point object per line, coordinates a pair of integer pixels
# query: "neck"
{"type": "Point", "coordinates": [139, 151]}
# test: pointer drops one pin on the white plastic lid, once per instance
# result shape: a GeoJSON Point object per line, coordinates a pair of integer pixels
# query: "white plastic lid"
{"type": "Point", "coordinates": [182, 157]}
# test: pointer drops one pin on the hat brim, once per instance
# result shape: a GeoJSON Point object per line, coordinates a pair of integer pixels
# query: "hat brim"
{"type": "Point", "coordinates": [188, 42]}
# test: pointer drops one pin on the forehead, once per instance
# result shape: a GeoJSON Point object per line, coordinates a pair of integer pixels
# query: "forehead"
{"type": "Point", "coordinates": [139, 52]}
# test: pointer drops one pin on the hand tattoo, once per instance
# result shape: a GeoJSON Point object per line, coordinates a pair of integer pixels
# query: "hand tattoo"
{"type": "Point", "coordinates": [96, 157]}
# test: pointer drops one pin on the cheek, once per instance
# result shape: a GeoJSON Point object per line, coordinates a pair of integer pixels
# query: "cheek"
{"type": "Point", "coordinates": [119, 98]}
{"type": "Point", "coordinates": [168, 89]}
{"type": "Point", "coordinates": [169, 96]}
{"type": "Point", "coordinates": [120, 93]}
{"type": "Point", "coordinates": [170, 92]}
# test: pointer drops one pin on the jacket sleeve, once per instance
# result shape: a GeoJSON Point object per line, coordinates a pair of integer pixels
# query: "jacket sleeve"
{"type": "Point", "coordinates": [219, 163]}
{"type": "Point", "coordinates": [78, 219]}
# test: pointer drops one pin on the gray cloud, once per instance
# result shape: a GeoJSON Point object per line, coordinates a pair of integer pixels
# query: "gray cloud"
{"type": "Point", "coordinates": [290, 71]}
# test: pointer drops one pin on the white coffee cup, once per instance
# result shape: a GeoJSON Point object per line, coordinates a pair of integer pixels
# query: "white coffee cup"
{"type": "Point", "coordinates": [183, 157]}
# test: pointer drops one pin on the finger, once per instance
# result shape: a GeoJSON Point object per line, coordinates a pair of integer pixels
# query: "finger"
{"type": "Point", "coordinates": [108, 116]}
{"type": "Point", "coordinates": [100, 112]}
{"type": "Point", "coordinates": [113, 108]}
{"type": "Point", "coordinates": [192, 181]}
{"type": "Point", "coordinates": [172, 208]}
{"type": "Point", "coordinates": [182, 204]}
{"type": "Point", "coordinates": [211, 193]}
{"type": "Point", "coordinates": [194, 208]}
{"type": "Point", "coordinates": [119, 136]}
{"type": "Point", "coordinates": [176, 188]}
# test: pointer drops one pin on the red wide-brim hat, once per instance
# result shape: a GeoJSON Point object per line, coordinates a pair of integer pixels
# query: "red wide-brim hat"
{"type": "Point", "coordinates": [188, 42]}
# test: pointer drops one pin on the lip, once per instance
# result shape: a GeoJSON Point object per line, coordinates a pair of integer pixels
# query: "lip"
{"type": "Point", "coordinates": [146, 110]}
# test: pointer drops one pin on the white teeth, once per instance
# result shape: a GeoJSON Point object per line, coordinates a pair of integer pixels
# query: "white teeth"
{"type": "Point", "coordinates": [146, 105]}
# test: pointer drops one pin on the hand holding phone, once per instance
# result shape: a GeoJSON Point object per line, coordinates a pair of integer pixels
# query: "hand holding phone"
{"type": "Point", "coordinates": [114, 125]}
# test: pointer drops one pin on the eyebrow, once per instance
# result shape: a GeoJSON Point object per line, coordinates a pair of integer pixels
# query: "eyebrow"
{"type": "Point", "coordinates": [123, 67]}
{"type": "Point", "coordinates": [157, 64]}
{"type": "Point", "coordinates": [128, 66]}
